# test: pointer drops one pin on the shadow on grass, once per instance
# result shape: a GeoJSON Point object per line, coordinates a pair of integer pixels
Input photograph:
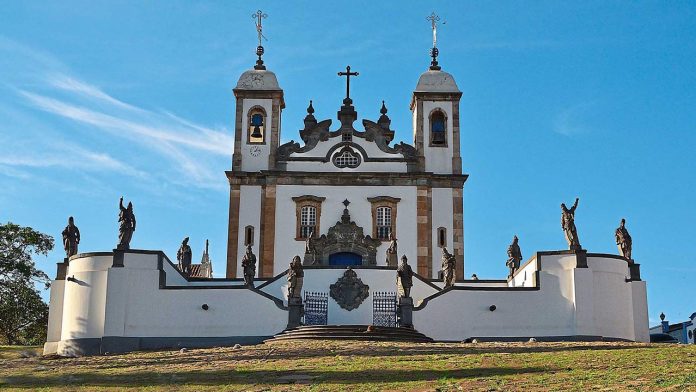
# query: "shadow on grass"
{"type": "Point", "coordinates": [230, 376]}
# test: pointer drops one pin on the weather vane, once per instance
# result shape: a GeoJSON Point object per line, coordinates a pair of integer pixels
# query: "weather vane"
{"type": "Point", "coordinates": [258, 16]}
{"type": "Point", "coordinates": [433, 19]}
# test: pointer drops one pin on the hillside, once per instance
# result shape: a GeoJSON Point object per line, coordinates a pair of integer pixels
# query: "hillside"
{"type": "Point", "coordinates": [330, 365]}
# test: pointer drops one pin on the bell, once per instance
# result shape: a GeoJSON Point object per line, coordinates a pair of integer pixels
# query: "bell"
{"type": "Point", "coordinates": [256, 133]}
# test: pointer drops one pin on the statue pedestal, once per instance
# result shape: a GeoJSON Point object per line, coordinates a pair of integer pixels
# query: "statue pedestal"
{"type": "Point", "coordinates": [309, 259]}
{"type": "Point", "coordinates": [295, 310]}
{"type": "Point", "coordinates": [392, 259]}
{"type": "Point", "coordinates": [405, 313]}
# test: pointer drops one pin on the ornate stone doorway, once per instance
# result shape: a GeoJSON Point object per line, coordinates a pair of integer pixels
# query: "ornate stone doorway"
{"type": "Point", "coordinates": [345, 258]}
{"type": "Point", "coordinates": [345, 244]}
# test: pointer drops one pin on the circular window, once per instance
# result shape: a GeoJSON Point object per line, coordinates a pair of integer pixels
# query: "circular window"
{"type": "Point", "coordinates": [346, 158]}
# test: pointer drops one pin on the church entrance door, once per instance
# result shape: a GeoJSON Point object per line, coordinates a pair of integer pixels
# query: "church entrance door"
{"type": "Point", "coordinates": [345, 258]}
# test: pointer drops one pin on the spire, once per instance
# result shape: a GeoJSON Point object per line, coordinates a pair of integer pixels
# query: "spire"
{"type": "Point", "coordinates": [434, 52]}
{"type": "Point", "coordinates": [384, 120]}
{"type": "Point", "coordinates": [309, 119]}
{"type": "Point", "coordinates": [258, 16]}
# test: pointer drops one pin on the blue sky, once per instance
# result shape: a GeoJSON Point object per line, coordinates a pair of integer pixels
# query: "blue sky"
{"type": "Point", "coordinates": [561, 99]}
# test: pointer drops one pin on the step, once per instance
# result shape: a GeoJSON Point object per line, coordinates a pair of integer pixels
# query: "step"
{"type": "Point", "coordinates": [352, 332]}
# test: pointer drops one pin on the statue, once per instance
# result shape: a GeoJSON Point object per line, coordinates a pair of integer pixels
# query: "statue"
{"type": "Point", "coordinates": [448, 264]}
{"type": "Point", "coordinates": [404, 278]}
{"type": "Point", "coordinates": [514, 257]}
{"type": "Point", "coordinates": [568, 225]}
{"type": "Point", "coordinates": [126, 220]}
{"type": "Point", "coordinates": [623, 240]}
{"type": "Point", "coordinates": [295, 278]}
{"type": "Point", "coordinates": [392, 251]}
{"type": "Point", "coordinates": [183, 255]}
{"type": "Point", "coordinates": [310, 257]}
{"type": "Point", "coordinates": [71, 238]}
{"type": "Point", "coordinates": [249, 266]}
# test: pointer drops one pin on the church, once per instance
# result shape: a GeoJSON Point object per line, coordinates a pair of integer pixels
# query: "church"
{"type": "Point", "coordinates": [350, 203]}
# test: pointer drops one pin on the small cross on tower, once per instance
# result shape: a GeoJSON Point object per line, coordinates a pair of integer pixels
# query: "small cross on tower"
{"type": "Point", "coordinates": [433, 19]}
{"type": "Point", "coordinates": [258, 16]}
{"type": "Point", "coordinates": [348, 74]}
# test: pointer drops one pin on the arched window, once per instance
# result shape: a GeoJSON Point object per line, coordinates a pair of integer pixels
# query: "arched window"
{"type": "Point", "coordinates": [383, 216]}
{"type": "Point", "coordinates": [346, 158]}
{"type": "Point", "coordinates": [308, 210]}
{"type": "Point", "coordinates": [256, 132]}
{"type": "Point", "coordinates": [308, 221]}
{"type": "Point", "coordinates": [249, 235]}
{"type": "Point", "coordinates": [384, 222]}
{"type": "Point", "coordinates": [441, 237]}
{"type": "Point", "coordinates": [438, 129]}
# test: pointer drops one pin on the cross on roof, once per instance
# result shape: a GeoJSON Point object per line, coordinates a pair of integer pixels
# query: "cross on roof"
{"type": "Point", "coordinates": [348, 74]}
{"type": "Point", "coordinates": [257, 16]}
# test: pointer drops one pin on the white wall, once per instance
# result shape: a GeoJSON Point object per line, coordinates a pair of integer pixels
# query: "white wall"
{"type": "Point", "coordinates": [442, 217]}
{"type": "Point", "coordinates": [249, 214]}
{"type": "Point", "coordinates": [286, 247]}
{"type": "Point", "coordinates": [84, 299]}
{"type": "Point", "coordinates": [128, 302]}
{"type": "Point", "coordinates": [596, 301]}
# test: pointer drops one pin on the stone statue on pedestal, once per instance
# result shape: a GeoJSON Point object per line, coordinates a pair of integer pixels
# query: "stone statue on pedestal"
{"type": "Point", "coordinates": [249, 266]}
{"type": "Point", "coordinates": [310, 257]}
{"type": "Point", "coordinates": [404, 278]}
{"type": "Point", "coordinates": [392, 251]}
{"type": "Point", "coordinates": [184, 255]}
{"type": "Point", "coordinates": [514, 257]}
{"type": "Point", "coordinates": [623, 240]}
{"type": "Point", "coordinates": [568, 225]}
{"type": "Point", "coordinates": [71, 238]}
{"type": "Point", "coordinates": [126, 220]}
{"type": "Point", "coordinates": [295, 278]}
{"type": "Point", "coordinates": [448, 265]}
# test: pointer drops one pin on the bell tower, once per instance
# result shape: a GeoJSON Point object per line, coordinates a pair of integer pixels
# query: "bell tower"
{"type": "Point", "coordinates": [258, 106]}
{"type": "Point", "coordinates": [435, 113]}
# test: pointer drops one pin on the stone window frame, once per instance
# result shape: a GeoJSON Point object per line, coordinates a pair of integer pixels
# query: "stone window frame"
{"type": "Point", "coordinates": [353, 154]}
{"type": "Point", "coordinates": [254, 110]}
{"type": "Point", "coordinates": [307, 201]}
{"type": "Point", "coordinates": [384, 201]}
{"type": "Point", "coordinates": [430, 126]}
{"type": "Point", "coordinates": [441, 237]}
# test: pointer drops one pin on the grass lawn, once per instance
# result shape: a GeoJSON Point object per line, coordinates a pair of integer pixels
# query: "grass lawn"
{"type": "Point", "coordinates": [348, 365]}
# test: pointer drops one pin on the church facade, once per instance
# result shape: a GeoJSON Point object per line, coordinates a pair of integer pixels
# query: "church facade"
{"type": "Point", "coordinates": [344, 202]}
{"type": "Point", "coordinates": [284, 196]}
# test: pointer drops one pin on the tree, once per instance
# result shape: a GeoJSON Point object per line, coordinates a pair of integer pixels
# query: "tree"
{"type": "Point", "coordinates": [17, 244]}
{"type": "Point", "coordinates": [23, 315]}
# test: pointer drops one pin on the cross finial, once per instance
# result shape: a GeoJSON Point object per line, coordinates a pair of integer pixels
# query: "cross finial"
{"type": "Point", "coordinates": [258, 16]}
{"type": "Point", "coordinates": [346, 203]}
{"type": "Point", "coordinates": [433, 19]}
{"type": "Point", "coordinates": [348, 74]}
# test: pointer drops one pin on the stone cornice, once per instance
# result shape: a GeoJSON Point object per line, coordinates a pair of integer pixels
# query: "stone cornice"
{"type": "Point", "coordinates": [276, 177]}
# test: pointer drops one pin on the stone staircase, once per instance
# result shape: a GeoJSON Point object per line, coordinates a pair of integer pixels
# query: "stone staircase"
{"type": "Point", "coordinates": [352, 332]}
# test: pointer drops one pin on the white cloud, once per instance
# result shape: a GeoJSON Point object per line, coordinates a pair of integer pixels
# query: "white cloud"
{"type": "Point", "coordinates": [568, 122]}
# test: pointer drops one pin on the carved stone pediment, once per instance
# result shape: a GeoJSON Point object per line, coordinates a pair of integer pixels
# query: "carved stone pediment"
{"type": "Point", "coordinates": [349, 291]}
{"type": "Point", "coordinates": [346, 236]}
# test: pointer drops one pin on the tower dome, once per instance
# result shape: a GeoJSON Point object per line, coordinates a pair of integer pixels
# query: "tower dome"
{"type": "Point", "coordinates": [258, 79]}
{"type": "Point", "coordinates": [436, 81]}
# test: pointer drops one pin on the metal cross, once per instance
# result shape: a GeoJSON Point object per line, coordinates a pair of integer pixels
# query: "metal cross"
{"type": "Point", "coordinates": [433, 18]}
{"type": "Point", "coordinates": [259, 28]}
{"type": "Point", "coordinates": [348, 74]}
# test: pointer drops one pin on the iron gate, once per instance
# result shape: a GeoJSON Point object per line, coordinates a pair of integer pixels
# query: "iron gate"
{"type": "Point", "coordinates": [316, 308]}
{"type": "Point", "coordinates": [384, 309]}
